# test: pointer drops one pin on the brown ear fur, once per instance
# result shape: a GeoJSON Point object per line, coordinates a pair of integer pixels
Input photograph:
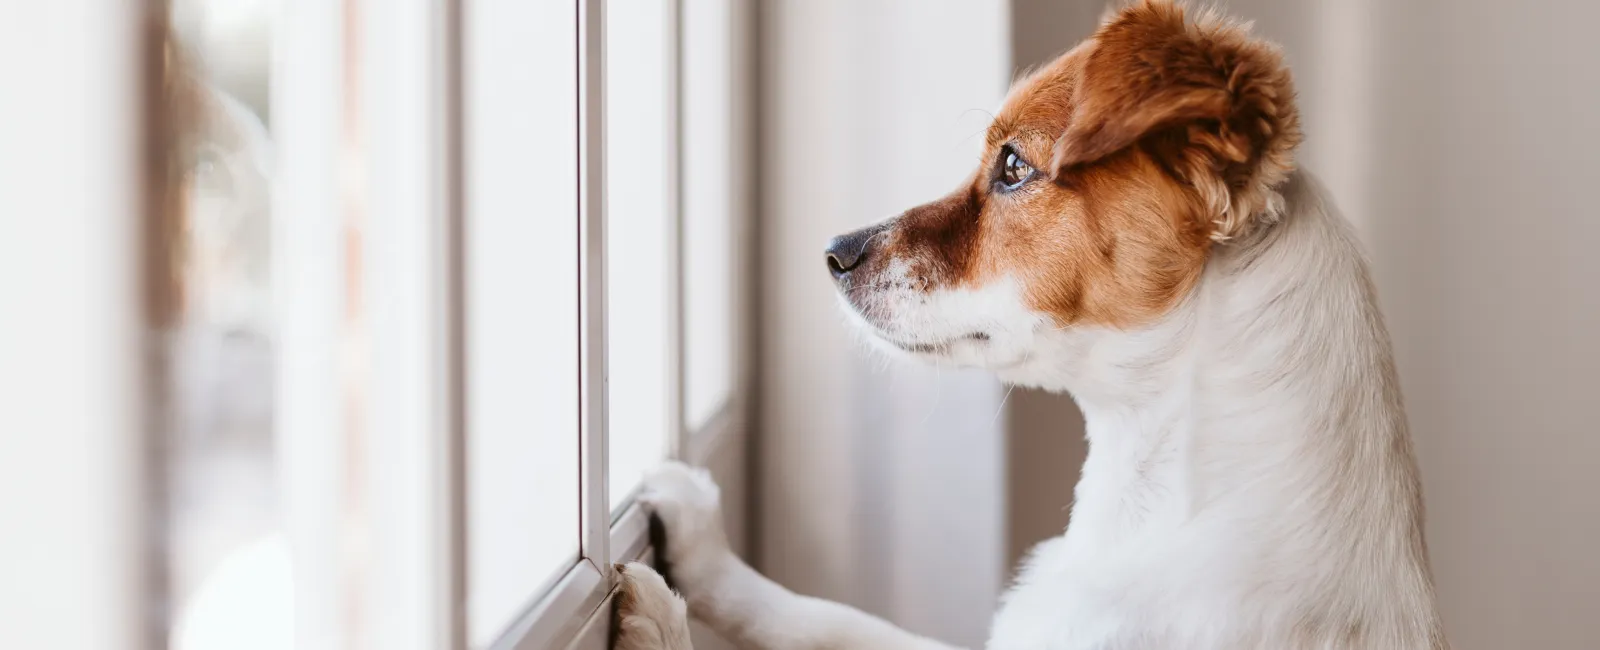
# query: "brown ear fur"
{"type": "Point", "coordinates": [1214, 104]}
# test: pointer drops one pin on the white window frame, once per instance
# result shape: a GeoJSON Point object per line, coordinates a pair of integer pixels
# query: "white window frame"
{"type": "Point", "coordinates": [570, 610]}
{"type": "Point", "coordinates": [84, 361]}
{"type": "Point", "coordinates": [75, 207]}
{"type": "Point", "coordinates": [410, 99]}
{"type": "Point", "coordinates": [578, 594]}
{"type": "Point", "coordinates": [573, 613]}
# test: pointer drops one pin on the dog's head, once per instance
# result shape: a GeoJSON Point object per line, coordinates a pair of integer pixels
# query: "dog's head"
{"type": "Point", "coordinates": [1107, 178]}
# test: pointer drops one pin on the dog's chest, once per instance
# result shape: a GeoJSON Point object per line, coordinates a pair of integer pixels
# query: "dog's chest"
{"type": "Point", "coordinates": [1044, 616]}
{"type": "Point", "coordinates": [1049, 609]}
{"type": "Point", "coordinates": [1111, 592]}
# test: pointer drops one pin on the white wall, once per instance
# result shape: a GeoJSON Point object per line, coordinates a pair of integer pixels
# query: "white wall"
{"type": "Point", "coordinates": [878, 486]}
{"type": "Point", "coordinates": [1463, 138]}
{"type": "Point", "coordinates": [1485, 151]}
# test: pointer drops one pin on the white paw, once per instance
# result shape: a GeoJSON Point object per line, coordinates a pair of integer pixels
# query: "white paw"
{"type": "Point", "coordinates": [649, 615]}
{"type": "Point", "coordinates": [689, 505]}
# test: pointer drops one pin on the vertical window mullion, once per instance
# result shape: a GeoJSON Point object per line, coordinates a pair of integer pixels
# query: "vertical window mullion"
{"type": "Point", "coordinates": [595, 508]}
{"type": "Point", "coordinates": [409, 67]}
{"type": "Point", "coordinates": [451, 141]}
{"type": "Point", "coordinates": [308, 265]}
{"type": "Point", "coordinates": [677, 373]}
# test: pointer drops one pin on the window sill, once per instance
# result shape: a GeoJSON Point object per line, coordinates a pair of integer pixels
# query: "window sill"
{"type": "Point", "coordinates": [574, 613]}
{"type": "Point", "coordinates": [580, 597]}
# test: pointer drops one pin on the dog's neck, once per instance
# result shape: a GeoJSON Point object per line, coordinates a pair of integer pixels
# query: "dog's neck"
{"type": "Point", "coordinates": [1270, 393]}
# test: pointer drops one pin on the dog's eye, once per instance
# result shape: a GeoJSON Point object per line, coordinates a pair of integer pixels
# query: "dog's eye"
{"type": "Point", "coordinates": [1014, 171]}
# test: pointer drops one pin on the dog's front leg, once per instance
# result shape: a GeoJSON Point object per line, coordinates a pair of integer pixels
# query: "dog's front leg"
{"type": "Point", "coordinates": [737, 602]}
{"type": "Point", "coordinates": [649, 615]}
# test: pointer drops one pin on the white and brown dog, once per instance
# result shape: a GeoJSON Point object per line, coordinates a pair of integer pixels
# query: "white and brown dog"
{"type": "Point", "coordinates": [1139, 237]}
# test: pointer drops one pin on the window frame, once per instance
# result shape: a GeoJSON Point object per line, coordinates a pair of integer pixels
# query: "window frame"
{"type": "Point", "coordinates": [424, 207]}
{"type": "Point", "coordinates": [569, 612]}
{"type": "Point", "coordinates": [415, 484]}
{"type": "Point", "coordinates": [80, 563]}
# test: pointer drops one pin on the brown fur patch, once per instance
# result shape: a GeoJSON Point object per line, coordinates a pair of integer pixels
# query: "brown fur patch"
{"type": "Point", "coordinates": [1151, 141]}
{"type": "Point", "coordinates": [1223, 101]}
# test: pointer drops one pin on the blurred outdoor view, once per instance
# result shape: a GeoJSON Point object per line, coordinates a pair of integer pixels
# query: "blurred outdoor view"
{"type": "Point", "coordinates": [230, 578]}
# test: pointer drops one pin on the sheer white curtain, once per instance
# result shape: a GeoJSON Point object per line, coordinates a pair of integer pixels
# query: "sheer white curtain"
{"type": "Point", "coordinates": [879, 486]}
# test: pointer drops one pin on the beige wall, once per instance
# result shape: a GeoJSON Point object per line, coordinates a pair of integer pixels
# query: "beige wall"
{"type": "Point", "coordinates": [1463, 138]}
{"type": "Point", "coordinates": [1044, 436]}
{"type": "Point", "coordinates": [878, 484]}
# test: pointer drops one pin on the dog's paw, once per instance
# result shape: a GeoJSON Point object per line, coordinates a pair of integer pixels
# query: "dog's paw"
{"type": "Point", "coordinates": [688, 504]}
{"type": "Point", "coordinates": [649, 615]}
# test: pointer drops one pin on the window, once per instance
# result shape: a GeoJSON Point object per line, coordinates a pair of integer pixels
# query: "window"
{"type": "Point", "coordinates": [427, 288]}
{"type": "Point", "coordinates": [228, 572]}
{"type": "Point", "coordinates": [639, 239]}
{"type": "Point", "coordinates": [522, 286]}
{"type": "Point", "coordinates": [710, 175]}
{"type": "Point", "coordinates": [669, 376]}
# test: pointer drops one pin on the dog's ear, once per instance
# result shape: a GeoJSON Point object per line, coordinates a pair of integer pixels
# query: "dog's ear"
{"type": "Point", "coordinates": [1213, 103]}
{"type": "Point", "coordinates": [1110, 12]}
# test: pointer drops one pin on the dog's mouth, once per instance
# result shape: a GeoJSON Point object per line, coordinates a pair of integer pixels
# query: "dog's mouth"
{"type": "Point", "coordinates": [936, 347]}
{"type": "Point", "coordinates": [883, 329]}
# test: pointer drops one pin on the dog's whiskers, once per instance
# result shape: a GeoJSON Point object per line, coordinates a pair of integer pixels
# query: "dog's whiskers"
{"type": "Point", "coordinates": [873, 285]}
{"type": "Point", "coordinates": [1002, 407]}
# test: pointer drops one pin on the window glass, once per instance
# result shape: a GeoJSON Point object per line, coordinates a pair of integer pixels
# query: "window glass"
{"type": "Point", "coordinates": [707, 209]}
{"type": "Point", "coordinates": [522, 305]}
{"type": "Point", "coordinates": [638, 208]}
{"type": "Point", "coordinates": [228, 561]}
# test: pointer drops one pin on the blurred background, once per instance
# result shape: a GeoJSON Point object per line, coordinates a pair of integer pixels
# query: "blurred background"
{"type": "Point", "coordinates": [313, 337]}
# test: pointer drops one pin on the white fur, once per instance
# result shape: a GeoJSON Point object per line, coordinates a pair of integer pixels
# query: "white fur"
{"type": "Point", "coordinates": [1250, 483]}
{"type": "Point", "coordinates": [743, 606]}
{"type": "Point", "coordinates": [901, 317]}
{"type": "Point", "coordinates": [649, 615]}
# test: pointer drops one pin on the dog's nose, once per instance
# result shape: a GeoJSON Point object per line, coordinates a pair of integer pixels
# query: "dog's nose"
{"type": "Point", "coordinates": [850, 250]}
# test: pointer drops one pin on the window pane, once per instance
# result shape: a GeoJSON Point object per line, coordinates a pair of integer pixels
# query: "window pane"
{"type": "Point", "coordinates": [229, 561]}
{"type": "Point", "coordinates": [707, 209]}
{"type": "Point", "coordinates": [637, 208]}
{"type": "Point", "coordinates": [522, 305]}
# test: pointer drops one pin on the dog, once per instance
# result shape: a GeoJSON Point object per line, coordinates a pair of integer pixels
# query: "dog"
{"type": "Point", "coordinates": [1138, 236]}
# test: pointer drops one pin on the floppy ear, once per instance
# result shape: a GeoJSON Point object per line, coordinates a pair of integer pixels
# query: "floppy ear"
{"type": "Point", "coordinates": [1215, 104]}
{"type": "Point", "coordinates": [1110, 12]}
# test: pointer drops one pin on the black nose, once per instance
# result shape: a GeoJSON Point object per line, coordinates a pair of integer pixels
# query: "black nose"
{"type": "Point", "coordinates": [850, 250]}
